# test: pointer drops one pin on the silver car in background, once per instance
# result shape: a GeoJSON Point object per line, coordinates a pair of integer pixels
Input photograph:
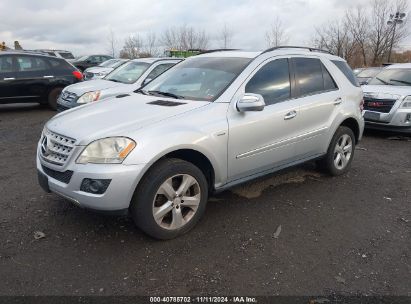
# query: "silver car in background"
{"type": "Point", "coordinates": [387, 99]}
{"type": "Point", "coordinates": [207, 124]}
{"type": "Point", "coordinates": [103, 69]}
{"type": "Point", "coordinates": [125, 79]}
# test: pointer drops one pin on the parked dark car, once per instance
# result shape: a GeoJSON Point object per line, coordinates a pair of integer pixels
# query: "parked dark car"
{"type": "Point", "coordinates": [30, 77]}
{"type": "Point", "coordinates": [85, 62]}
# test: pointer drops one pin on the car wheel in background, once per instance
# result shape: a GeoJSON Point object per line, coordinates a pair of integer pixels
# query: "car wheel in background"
{"type": "Point", "coordinates": [340, 153]}
{"type": "Point", "coordinates": [170, 199]}
{"type": "Point", "coordinates": [52, 98]}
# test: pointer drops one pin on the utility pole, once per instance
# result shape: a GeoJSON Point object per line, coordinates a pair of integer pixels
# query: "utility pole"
{"type": "Point", "coordinates": [397, 18]}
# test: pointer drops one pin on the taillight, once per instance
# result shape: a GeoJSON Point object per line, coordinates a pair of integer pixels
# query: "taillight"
{"type": "Point", "coordinates": [362, 105]}
{"type": "Point", "coordinates": [78, 75]}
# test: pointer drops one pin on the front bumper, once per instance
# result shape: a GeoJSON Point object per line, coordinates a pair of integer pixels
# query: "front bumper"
{"type": "Point", "coordinates": [124, 179]}
{"type": "Point", "coordinates": [398, 120]}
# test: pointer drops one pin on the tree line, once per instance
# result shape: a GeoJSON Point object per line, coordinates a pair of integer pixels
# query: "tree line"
{"type": "Point", "coordinates": [361, 36]}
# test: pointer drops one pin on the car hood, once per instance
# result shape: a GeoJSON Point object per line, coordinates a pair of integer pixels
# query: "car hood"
{"type": "Point", "coordinates": [99, 70]}
{"type": "Point", "coordinates": [92, 85]}
{"type": "Point", "coordinates": [386, 91]}
{"type": "Point", "coordinates": [116, 117]}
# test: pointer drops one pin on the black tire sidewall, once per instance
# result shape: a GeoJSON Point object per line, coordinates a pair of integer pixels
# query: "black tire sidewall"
{"type": "Point", "coordinates": [52, 97]}
{"type": "Point", "coordinates": [142, 202]}
{"type": "Point", "coordinates": [328, 163]}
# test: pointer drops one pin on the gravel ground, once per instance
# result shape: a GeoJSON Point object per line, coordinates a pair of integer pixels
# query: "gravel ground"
{"type": "Point", "coordinates": [296, 232]}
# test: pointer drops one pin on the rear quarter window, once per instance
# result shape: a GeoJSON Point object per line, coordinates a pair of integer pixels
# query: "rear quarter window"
{"type": "Point", "coordinates": [346, 70]}
{"type": "Point", "coordinates": [60, 66]}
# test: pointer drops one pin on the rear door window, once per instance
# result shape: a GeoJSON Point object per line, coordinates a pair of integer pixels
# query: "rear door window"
{"type": "Point", "coordinates": [31, 64]}
{"type": "Point", "coordinates": [272, 81]}
{"type": "Point", "coordinates": [312, 77]}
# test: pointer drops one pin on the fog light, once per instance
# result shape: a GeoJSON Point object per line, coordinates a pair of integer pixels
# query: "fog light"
{"type": "Point", "coordinates": [95, 186]}
{"type": "Point", "coordinates": [408, 118]}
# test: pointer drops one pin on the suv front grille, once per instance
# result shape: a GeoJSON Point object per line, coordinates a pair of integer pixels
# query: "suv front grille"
{"type": "Point", "coordinates": [378, 105]}
{"type": "Point", "coordinates": [69, 97]}
{"type": "Point", "coordinates": [63, 177]}
{"type": "Point", "coordinates": [56, 148]}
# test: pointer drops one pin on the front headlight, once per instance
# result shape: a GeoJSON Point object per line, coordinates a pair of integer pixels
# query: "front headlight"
{"type": "Point", "coordinates": [89, 97]}
{"type": "Point", "coordinates": [112, 150]}
{"type": "Point", "coordinates": [407, 102]}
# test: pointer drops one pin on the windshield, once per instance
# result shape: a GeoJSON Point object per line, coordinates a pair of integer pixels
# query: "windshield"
{"type": "Point", "coordinates": [66, 55]}
{"type": "Point", "coordinates": [367, 73]}
{"type": "Point", "coordinates": [197, 78]}
{"type": "Point", "coordinates": [128, 73]}
{"type": "Point", "coordinates": [82, 58]}
{"type": "Point", "coordinates": [109, 63]}
{"type": "Point", "coordinates": [395, 77]}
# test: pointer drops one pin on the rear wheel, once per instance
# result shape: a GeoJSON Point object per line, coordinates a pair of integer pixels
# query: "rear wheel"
{"type": "Point", "coordinates": [52, 98]}
{"type": "Point", "coordinates": [170, 199]}
{"type": "Point", "coordinates": [340, 153]}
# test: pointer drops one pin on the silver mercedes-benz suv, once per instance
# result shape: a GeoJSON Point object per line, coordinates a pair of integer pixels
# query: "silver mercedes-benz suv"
{"type": "Point", "coordinates": [208, 123]}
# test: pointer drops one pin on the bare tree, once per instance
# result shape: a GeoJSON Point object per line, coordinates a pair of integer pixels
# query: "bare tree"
{"type": "Point", "coordinates": [151, 44]}
{"type": "Point", "coordinates": [381, 34]}
{"type": "Point", "coordinates": [111, 43]}
{"type": "Point", "coordinates": [276, 35]}
{"type": "Point", "coordinates": [184, 38]}
{"type": "Point", "coordinates": [225, 37]}
{"type": "Point", "coordinates": [357, 23]}
{"type": "Point", "coordinates": [133, 47]}
{"type": "Point", "coordinates": [335, 38]}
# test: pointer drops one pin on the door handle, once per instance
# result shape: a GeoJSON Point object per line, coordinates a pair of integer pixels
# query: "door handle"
{"type": "Point", "coordinates": [338, 101]}
{"type": "Point", "coordinates": [48, 76]}
{"type": "Point", "coordinates": [10, 78]}
{"type": "Point", "coordinates": [290, 115]}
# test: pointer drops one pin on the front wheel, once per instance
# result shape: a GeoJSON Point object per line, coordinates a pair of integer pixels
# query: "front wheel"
{"type": "Point", "coordinates": [340, 153]}
{"type": "Point", "coordinates": [170, 199]}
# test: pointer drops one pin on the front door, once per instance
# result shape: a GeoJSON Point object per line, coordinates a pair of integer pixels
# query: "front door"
{"type": "Point", "coordinates": [8, 84]}
{"type": "Point", "coordinates": [260, 141]}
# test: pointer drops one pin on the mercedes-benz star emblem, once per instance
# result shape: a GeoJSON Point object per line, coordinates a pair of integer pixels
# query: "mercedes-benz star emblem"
{"type": "Point", "coordinates": [44, 147]}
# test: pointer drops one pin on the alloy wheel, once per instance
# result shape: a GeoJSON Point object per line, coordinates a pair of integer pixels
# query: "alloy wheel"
{"type": "Point", "coordinates": [176, 201]}
{"type": "Point", "coordinates": [343, 151]}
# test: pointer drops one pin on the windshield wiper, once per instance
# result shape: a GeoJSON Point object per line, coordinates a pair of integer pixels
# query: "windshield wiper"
{"type": "Point", "coordinates": [401, 81]}
{"type": "Point", "coordinates": [383, 81]}
{"type": "Point", "coordinates": [113, 80]}
{"type": "Point", "coordinates": [168, 94]}
{"type": "Point", "coordinates": [141, 91]}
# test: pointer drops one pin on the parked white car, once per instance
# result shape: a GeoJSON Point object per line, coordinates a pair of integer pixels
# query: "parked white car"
{"type": "Point", "coordinates": [125, 79]}
{"type": "Point", "coordinates": [207, 124]}
{"type": "Point", "coordinates": [387, 99]}
{"type": "Point", "coordinates": [103, 69]}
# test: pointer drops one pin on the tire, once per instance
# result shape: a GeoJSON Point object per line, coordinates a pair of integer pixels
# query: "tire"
{"type": "Point", "coordinates": [340, 152]}
{"type": "Point", "coordinates": [153, 194]}
{"type": "Point", "coordinates": [52, 98]}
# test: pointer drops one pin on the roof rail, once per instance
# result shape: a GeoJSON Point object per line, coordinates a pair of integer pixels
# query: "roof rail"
{"type": "Point", "coordinates": [217, 50]}
{"type": "Point", "coordinates": [297, 47]}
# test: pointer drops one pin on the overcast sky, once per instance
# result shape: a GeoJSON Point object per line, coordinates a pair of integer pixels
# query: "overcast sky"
{"type": "Point", "coordinates": [83, 26]}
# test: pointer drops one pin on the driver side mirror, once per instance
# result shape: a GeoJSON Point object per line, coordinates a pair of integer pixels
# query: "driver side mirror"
{"type": "Point", "coordinates": [251, 102]}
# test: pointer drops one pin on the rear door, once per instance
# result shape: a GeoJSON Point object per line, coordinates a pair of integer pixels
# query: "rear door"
{"type": "Point", "coordinates": [8, 84]}
{"type": "Point", "coordinates": [33, 77]}
{"type": "Point", "coordinates": [319, 98]}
